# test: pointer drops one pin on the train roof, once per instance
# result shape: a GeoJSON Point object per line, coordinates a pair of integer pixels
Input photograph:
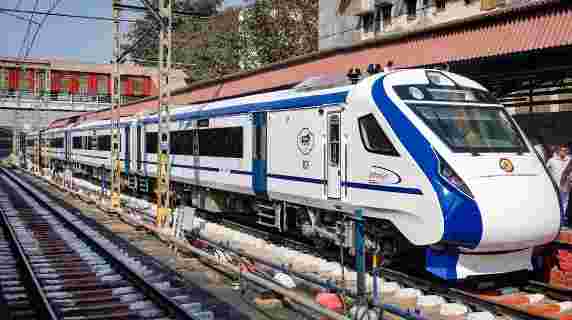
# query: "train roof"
{"type": "Point", "coordinates": [314, 91]}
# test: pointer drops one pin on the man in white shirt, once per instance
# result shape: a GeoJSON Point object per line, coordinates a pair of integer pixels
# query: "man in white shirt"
{"type": "Point", "coordinates": [556, 166]}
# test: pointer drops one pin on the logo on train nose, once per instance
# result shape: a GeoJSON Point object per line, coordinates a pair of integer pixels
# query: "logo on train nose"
{"type": "Point", "coordinates": [506, 165]}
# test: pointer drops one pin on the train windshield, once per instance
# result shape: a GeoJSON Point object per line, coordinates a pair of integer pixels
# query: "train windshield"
{"type": "Point", "coordinates": [472, 129]}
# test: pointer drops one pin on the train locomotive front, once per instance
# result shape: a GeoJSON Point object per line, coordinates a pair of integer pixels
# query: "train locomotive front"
{"type": "Point", "coordinates": [493, 199]}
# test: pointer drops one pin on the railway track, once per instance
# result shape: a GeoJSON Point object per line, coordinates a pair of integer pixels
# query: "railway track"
{"type": "Point", "coordinates": [55, 266]}
{"type": "Point", "coordinates": [502, 302]}
{"type": "Point", "coordinates": [475, 301]}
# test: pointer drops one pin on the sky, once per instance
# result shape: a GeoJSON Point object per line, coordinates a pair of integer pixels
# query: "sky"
{"type": "Point", "coordinates": [79, 40]}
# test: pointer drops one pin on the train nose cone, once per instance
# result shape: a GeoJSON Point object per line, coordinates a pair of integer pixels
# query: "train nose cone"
{"type": "Point", "coordinates": [518, 211]}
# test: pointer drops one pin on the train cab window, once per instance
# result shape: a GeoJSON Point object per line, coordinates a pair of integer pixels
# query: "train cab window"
{"type": "Point", "coordinates": [373, 137]}
{"type": "Point", "coordinates": [151, 142]}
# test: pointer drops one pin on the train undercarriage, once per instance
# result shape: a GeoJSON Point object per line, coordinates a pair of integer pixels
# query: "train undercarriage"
{"type": "Point", "coordinates": [324, 228]}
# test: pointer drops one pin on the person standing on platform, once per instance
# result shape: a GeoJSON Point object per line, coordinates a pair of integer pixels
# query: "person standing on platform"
{"type": "Point", "coordinates": [559, 167]}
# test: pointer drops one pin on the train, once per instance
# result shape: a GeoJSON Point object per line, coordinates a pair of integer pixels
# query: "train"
{"type": "Point", "coordinates": [431, 158]}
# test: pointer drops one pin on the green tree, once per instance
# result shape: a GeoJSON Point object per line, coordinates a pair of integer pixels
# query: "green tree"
{"type": "Point", "coordinates": [232, 40]}
{"type": "Point", "coordinates": [275, 30]}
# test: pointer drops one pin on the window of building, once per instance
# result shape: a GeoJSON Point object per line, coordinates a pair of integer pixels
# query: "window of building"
{"type": "Point", "coordinates": [151, 142]}
{"type": "Point", "coordinates": [221, 142]}
{"type": "Point", "coordinates": [41, 80]}
{"type": "Point", "coordinates": [137, 84]}
{"type": "Point", "coordinates": [66, 83]}
{"type": "Point", "coordinates": [440, 4]}
{"type": "Point", "coordinates": [367, 22]}
{"type": "Point", "coordinates": [3, 79]}
{"type": "Point", "coordinates": [23, 80]}
{"type": "Point", "coordinates": [104, 143]}
{"type": "Point", "coordinates": [102, 84]}
{"type": "Point", "coordinates": [182, 142]}
{"type": "Point", "coordinates": [411, 8]}
{"type": "Point", "coordinates": [373, 137]}
{"type": "Point", "coordinates": [76, 142]}
{"type": "Point", "coordinates": [83, 85]}
{"type": "Point", "coordinates": [386, 14]}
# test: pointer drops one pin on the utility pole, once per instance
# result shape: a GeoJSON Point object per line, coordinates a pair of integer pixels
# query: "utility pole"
{"type": "Point", "coordinates": [164, 170]}
{"type": "Point", "coordinates": [115, 114]}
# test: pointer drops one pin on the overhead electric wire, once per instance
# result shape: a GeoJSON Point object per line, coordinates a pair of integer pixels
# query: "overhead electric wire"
{"type": "Point", "coordinates": [175, 12]}
{"type": "Point", "coordinates": [157, 61]}
{"type": "Point", "coordinates": [65, 15]}
{"type": "Point", "coordinates": [28, 29]}
{"type": "Point", "coordinates": [44, 18]}
{"type": "Point", "coordinates": [19, 17]}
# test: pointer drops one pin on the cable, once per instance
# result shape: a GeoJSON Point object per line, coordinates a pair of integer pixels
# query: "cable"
{"type": "Point", "coordinates": [44, 18]}
{"type": "Point", "coordinates": [28, 29]}
{"type": "Point", "coordinates": [66, 15]}
{"type": "Point", "coordinates": [19, 17]}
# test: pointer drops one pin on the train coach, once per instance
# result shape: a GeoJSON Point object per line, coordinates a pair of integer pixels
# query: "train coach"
{"type": "Point", "coordinates": [432, 158]}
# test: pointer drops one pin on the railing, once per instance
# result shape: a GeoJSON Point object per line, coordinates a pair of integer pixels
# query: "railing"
{"type": "Point", "coordinates": [61, 97]}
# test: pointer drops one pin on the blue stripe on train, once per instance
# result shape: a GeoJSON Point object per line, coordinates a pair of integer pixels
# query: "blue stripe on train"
{"type": "Point", "coordinates": [463, 224]}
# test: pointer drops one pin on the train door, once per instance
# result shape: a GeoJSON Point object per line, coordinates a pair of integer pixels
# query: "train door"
{"type": "Point", "coordinates": [139, 151]}
{"type": "Point", "coordinates": [127, 148]}
{"type": "Point", "coordinates": [259, 165]}
{"type": "Point", "coordinates": [333, 165]}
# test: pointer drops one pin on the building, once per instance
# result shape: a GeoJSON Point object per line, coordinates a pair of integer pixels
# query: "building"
{"type": "Point", "coordinates": [346, 22]}
{"type": "Point", "coordinates": [35, 91]}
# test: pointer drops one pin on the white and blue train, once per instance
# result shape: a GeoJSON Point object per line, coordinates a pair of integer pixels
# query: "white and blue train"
{"type": "Point", "coordinates": [432, 158]}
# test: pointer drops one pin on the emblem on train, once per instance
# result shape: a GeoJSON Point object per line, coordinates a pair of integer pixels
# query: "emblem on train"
{"type": "Point", "coordinates": [506, 165]}
{"type": "Point", "coordinates": [305, 141]}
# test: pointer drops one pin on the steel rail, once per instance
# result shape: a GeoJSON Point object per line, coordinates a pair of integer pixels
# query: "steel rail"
{"type": "Point", "coordinates": [160, 298]}
{"type": "Point", "coordinates": [420, 283]}
{"type": "Point", "coordinates": [40, 299]}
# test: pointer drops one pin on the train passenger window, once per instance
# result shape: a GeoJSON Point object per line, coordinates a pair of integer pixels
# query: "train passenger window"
{"type": "Point", "coordinates": [221, 142]}
{"type": "Point", "coordinates": [57, 143]}
{"type": "Point", "coordinates": [203, 123]}
{"type": "Point", "coordinates": [182, 142]}
{"type": "Point", "coordinates": [151, 142]}
{"type": "Point", "coordinates": [373, 137]}
{"type": "Point", "coordinates": [76, 142]}
{"type": "Point", "coordinates": [104, 143]}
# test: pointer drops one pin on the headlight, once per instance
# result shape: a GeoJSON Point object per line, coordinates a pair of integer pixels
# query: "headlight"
{"type": "Point", "coordinates": [452, 177]}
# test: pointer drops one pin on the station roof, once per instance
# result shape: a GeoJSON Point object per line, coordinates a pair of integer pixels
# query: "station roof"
{"type": "Point", "coordinates": [530, 27]}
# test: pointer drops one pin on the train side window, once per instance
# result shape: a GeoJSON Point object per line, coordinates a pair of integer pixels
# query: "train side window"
{"type": "Point", "coordinates": [151, 142]}
{"type": "Point", "coordinates": [221, 142]}
{"type": "Point", "coordinates": [76, 142]}
{"type": "Point", "coordinates": [104, 143]}
{"type": "Point", "coordinates": [182, 142]}
{"type": "Point", "coordinates": [373, 137]}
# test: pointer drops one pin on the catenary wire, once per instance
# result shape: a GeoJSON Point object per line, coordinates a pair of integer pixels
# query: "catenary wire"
{"type": "Point", "coordinates": [28, 29]}
{"type": "Point", "coordinates": [64, 15]}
